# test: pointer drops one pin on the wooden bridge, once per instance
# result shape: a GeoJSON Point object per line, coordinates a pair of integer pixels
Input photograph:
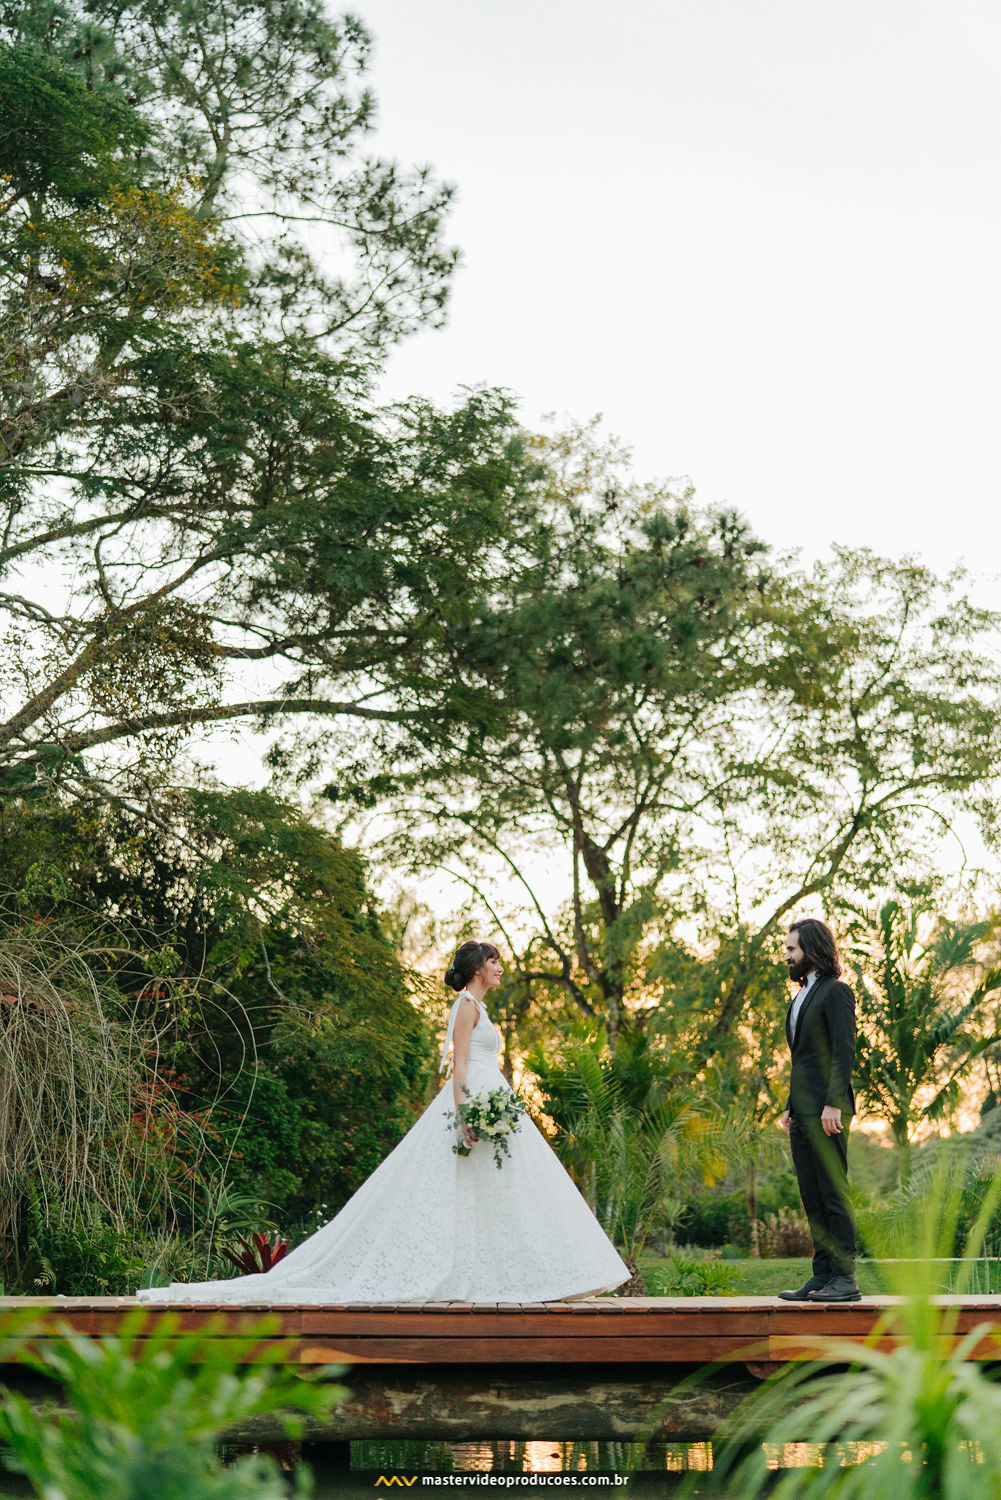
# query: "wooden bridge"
{"type": "Point", "coordinates": [600, 1368]}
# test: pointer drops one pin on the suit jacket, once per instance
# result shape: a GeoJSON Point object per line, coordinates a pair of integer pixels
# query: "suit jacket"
{"type": "Point", "coordinates": [823, 1049]}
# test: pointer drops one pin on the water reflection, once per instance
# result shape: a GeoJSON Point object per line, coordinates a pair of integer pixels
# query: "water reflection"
{"type": "Point", "coordinates": [343, 1470]}
{"type": "Point", "coordinates": [539, 1456]}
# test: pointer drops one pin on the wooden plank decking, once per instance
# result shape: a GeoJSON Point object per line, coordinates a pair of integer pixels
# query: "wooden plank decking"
{"type": "Point", "coordinates": [757, 1331]}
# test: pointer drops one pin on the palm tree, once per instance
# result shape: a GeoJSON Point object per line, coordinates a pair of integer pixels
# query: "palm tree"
{"type": "Point", "coordinates": [632, 1130]}
{"type": "Point", "coordinates": [922, 1025]}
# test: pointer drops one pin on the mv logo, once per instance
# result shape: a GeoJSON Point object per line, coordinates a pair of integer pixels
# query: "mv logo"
{"type": "Point", "coordinates": [394, 1479]}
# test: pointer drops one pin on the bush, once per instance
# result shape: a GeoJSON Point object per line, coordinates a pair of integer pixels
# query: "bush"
{"type": "Point", "coordinates": [683, 1276]}
{"type": "Point", "coordinates": [720, 1218]}
{"type": "Point", "coordinates": [80, 1153]}
{"type": "Point", "coordinates": [716, 1219]}
{"type": "Point", "coordinates": [79, 1258]}
{"type": "Point", "coordinates": [784, 1236]}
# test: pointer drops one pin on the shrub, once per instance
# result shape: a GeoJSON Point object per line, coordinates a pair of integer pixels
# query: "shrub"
{"type": "Point", "coordinates": [79, 1146]}
{"type": "Point", "coordinates": [720, 1217]}
{"type": "Point", "coordinates": [687, 1277]}
{"type": "Point", "coordinates": [79, 1257]}
{"type": "Point", "coordinates": [258, 1254]}
{"type": "Point", "coordinates": [784, 1235]}
{"type": "Point", "coordinates": [714, 1219]}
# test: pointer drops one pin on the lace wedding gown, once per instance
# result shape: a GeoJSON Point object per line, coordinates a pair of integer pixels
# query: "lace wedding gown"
{"type": "Point", "coordinates": [432, 1226]}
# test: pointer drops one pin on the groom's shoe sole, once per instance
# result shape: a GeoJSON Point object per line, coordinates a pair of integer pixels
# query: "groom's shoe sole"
{"type": "Point", "coordinates": [838, 1297]}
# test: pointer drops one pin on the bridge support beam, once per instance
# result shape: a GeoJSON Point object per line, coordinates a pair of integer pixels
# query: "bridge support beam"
{"type": "Point", "coordinates": [483, 1403]}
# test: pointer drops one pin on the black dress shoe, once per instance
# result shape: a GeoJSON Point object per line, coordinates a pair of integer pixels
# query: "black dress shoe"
{"type": "Point", "coordinates": [838, 1289]}
{"type": "Point", "coordinates": [803, 1295]}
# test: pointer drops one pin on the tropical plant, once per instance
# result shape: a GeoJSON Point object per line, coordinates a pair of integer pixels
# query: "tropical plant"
{"type": "Point", "coordinates": [893, 1223]}
{"type": "Point", "coordinates": [630, 1133]}
{"type": "Point", "coordinates": [82, 1256]}
{"type": "Point", "coordinates": [919, 1421]}
{"type": "Point", "coordinates": [784, 1235]}
{"type": "Point", "coordinates": [260, 1253]}
{"type": "Point", "coordinates": [923, 1019]}
{"type": "Point", "coordinates": [686, 1276]}
{"type": "Point", "coordinates": [141, 1414]}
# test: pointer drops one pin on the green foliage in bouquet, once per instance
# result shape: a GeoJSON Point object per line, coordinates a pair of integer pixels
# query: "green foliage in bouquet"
{"type": "Point", "coordinates": [491, 1118]}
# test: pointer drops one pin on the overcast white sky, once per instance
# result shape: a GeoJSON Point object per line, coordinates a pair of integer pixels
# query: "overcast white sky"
{"type": "Point", "coordinates": [763, 237]}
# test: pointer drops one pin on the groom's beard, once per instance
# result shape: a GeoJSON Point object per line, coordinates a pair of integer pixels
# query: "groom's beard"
{"type": "Point", "coordinates": [800, 970]}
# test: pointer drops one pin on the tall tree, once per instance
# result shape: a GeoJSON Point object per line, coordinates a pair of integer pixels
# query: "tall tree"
{"type": "Point", "coordinates": [202, 518]}
{"type": "Point", "coordinates": [261, 107]}
{"type": "Point", "coordinates": [674, 739]}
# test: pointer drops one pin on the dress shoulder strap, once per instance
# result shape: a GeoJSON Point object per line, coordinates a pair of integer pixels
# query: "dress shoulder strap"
{"type": "Point", "coordinates": [452, 1018]}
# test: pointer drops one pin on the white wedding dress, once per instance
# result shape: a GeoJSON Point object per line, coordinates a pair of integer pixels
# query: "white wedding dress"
{"type": "Point", "coordinates": [432, 1226]}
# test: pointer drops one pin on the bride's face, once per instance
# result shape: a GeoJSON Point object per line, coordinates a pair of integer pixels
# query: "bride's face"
{"type": "Point", "coordinates": [491, 973]}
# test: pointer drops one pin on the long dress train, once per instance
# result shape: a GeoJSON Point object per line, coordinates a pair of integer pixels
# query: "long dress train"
{"type": "Point", "coordinates": [430, 1225]}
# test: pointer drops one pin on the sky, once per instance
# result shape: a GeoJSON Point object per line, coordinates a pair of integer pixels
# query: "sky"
{"type": "Point", "coordinates": [761, 237]}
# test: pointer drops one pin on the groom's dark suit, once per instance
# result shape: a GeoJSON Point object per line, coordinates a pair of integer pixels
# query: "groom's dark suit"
{"type": "Point", "coordinates": [823, 1053]}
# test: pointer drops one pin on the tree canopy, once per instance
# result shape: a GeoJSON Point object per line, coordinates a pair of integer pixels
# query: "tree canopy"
{"type": "Point", "coordinates": [689, 737]}
{"type": "Point", "coordinates": [204, 518]}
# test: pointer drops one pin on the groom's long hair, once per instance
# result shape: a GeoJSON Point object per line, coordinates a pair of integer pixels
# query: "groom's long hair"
{"type": "Point", "coordinates": [817, 942]}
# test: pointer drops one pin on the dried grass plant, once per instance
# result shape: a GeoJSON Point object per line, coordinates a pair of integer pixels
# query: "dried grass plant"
{"type": "Point", "coordinates": [80, 1081]}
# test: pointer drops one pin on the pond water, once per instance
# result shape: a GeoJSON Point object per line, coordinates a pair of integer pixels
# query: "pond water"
{"type": "Point", "coordinates": [624, 1468]}
{"type": "Point", "coordinates": [347, 1471]}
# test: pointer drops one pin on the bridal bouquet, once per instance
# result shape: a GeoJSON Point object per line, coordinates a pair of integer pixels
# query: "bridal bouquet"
{"type": "Point", "coordinates": [490, 1117]}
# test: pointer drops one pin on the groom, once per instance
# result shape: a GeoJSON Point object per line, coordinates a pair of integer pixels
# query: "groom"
{"type": "Point", "coordinates": [820, 1028]}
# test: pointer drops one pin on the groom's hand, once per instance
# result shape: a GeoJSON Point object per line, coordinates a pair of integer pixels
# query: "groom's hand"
{"type": "Point", "coordinates": [784, 1122]}
{"type": "Point", "coordinates": [830, 1120]}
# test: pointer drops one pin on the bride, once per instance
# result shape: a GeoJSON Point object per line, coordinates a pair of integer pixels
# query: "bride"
{"type": "Point", "coordinates": [433, 1226]}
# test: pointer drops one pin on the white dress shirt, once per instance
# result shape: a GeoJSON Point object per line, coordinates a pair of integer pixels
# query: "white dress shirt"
{"type": "Point", "coordinates": [797, 1004]}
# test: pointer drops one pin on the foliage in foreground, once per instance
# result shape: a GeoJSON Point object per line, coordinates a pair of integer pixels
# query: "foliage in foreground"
{"type": "Point", "coordinates": [147, 1410]}
{"type": "Point", "coordinates": [919, 1422]}
{"type": "Point", "coordinates": [923, 1424]}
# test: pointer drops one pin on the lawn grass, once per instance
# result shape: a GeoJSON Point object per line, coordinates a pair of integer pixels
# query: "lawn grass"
{"type": "Point", "coordinates": [766, 1278]}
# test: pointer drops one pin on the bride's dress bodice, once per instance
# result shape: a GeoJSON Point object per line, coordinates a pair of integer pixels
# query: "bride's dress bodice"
{"type": "Point", "coordinates": [484, 1048]}
{"type": "Point", "coordinates": [485, 1042]}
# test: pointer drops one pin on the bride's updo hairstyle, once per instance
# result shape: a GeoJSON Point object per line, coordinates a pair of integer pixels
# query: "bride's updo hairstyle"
{"type": "Point", "coordinates": [470, 957]}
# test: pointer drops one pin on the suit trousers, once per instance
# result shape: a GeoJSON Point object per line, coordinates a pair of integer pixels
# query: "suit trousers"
{"type": "Point", "coordinates": [821, 1163]}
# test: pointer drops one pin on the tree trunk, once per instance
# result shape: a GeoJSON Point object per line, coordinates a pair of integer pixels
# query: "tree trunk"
{"type": "Point", "coordinates": [903, 1152]}
{"type": "Point", "coordinates": [752, 1209]}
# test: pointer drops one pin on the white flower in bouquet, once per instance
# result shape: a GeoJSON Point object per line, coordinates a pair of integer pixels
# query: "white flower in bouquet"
{"type": "Point", "coordinates": [491, 1117]}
